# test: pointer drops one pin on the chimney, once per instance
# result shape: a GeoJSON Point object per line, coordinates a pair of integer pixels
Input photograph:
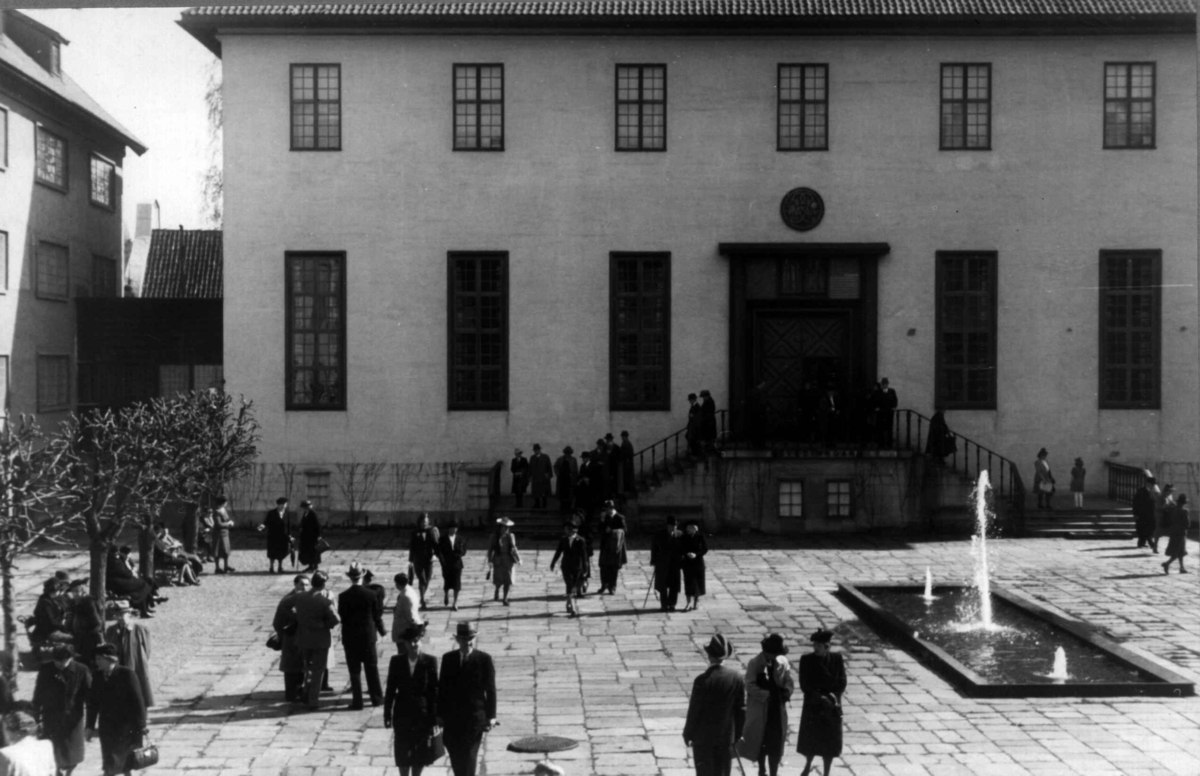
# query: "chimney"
{"type": "Point", "coordinates": [145, 215]}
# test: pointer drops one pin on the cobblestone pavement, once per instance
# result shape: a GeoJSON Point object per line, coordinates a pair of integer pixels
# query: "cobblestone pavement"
{"type": "Point", "coordinates": [617, 679]}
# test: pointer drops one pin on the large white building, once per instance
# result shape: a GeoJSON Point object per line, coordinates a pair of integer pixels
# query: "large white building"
{"type": "Point", "coordinates": [452, 229]}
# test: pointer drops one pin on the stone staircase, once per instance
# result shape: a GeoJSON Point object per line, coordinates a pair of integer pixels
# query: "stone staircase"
{"type": "Point", "coordinates": [1113, 522]}
{"type": "Point", "coordinates": [536, 524]}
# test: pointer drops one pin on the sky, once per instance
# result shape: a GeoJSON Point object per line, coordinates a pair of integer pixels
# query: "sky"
{"type": "Point", "coordinates": [150, 75]}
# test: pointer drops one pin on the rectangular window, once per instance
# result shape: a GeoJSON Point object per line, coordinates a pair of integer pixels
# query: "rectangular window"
{"type": "Point", "coordinates": [51, 162]}
{"type": "Point", "coordinates": [478, 341]}
{"type": "Point", "coordinates": [53, 271]}
{"type": "Point", "coordinates": [316, 489]}
{"type": "Point", "coordinates": [316, 107]}
{"type": "Point", "coordinates": [479, 107]}
{"type": "Point", "coordinates": [803, 108]}
{"type": "Point", "coordinates": [966, 330]}
{"type": "Point", "coordinates": [640, 331]}
{"type": "Point", "coordinates": [838, 502]}
{"type": "Point", "coordinates": [172, 380]}
{"type": "Point", "coordinates": [104, 174]}
{"type": "Point", "coordinates": [53, 383]}
{"type": "Point", "coordinates": [104, 277]}
{"type": "Point", "coordinates": [206, 376]}
{"type": "Point", "coordinates": [3, 262]}
{"type": "Point", "coordinates": [1130, 329]}
{"type": "Point", "coordinates": [1129, 105]}
{"type": "Point", "coordinates": [316, 331]}
{"type": "Point", "coordinates": [791, 500]}
{"type": "Point", "coordinates": [641, 107]}
{"type": "Point", "coordinates": [966, 107]}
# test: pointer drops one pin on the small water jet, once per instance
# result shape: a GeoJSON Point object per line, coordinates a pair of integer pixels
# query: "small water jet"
{"type": "Point", "coordinates": [1059, 672]}
{"type": "Point", "coordinates": [929, 597]}
{"type": "Point", "coordinates": [983, 582]}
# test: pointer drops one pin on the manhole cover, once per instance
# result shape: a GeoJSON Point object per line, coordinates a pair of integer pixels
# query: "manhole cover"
{"type": "Point", "coordinates": [762, 608]}
{"type": "Point", "coordinates": [542, 744]}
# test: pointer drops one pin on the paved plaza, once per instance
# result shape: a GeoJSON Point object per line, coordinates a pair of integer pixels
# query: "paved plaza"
{"type": "Point", "coordinates": [618, 678]}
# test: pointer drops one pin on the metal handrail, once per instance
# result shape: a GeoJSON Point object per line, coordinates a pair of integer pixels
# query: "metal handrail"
{"type": "Point", "coordinates": [494, 489]}
{"type": "Point", "coordinates": [659, 457]}
{"type": "Point", "coordinates": [1124, 481]}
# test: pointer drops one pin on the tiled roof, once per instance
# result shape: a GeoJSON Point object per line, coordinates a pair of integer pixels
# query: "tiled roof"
{"type": "Point", "coordinates": [62, 87]}
{"type": "Point", "coordinates": [183, 264]}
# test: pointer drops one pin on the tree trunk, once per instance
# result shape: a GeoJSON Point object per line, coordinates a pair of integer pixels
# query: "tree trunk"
{"type": "Point", "coordinates": [146, 549]}
{"type": "Point", "coordinates": [10, 624]}
{"type": "Point", "coordinates": [98, 552]}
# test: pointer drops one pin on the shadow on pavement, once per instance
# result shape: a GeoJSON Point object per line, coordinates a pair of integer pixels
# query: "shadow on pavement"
{"type": "Point", "coordinates": [1136, 576]}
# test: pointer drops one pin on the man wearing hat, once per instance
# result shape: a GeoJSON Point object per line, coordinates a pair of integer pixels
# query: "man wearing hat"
{"type": "Point", "coordinates": [60, 703]}
{"type": "Point", "coordinates": [315, 621]}
{"type": "Point", "coordinates": [1143, 511]}
{"type": "Point", "coordinates": [566, 473]}
{"type": "Point", "coordinates": [362, 620]}
{"type": "Point", "coordinates": [278, 524]}
{"type": "Point", "coordinates": [422, 547]}
{"type": "Point", "coordinates": [116, 699]}
{"type": "Point", "coordinates": [666, 556]}
{"type": "Point", "coordinates": [132, 640]}
{"type": "Point", "coordinates": [291, 659]}
{"type": "Point", "coordinates": [769, 687]}
{"type": "Point", "coordinates": [466, 700]}
{"type": "Point", "coordinates": [716, 712]}
{"type": "Point", "coordinates": [541, 470]}
{"type": "Point", "coordinates": [694, 432]}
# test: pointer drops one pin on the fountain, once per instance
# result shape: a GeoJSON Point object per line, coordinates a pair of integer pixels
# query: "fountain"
{"type": "Point", "coordinates": [991, 642]}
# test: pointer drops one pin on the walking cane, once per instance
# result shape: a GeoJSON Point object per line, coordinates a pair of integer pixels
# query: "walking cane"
{"type": "Point", "coordinates": [653, 576]}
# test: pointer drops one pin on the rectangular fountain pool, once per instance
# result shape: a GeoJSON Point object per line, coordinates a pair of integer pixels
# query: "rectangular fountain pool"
{"type": "Point", "coordinates": [1016, 658]}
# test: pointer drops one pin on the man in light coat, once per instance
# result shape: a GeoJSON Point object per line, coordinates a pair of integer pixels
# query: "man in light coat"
{"type": "Point", "coordinates": [316, 620]}
{"type": "Point", "coordinates": [132, 640]}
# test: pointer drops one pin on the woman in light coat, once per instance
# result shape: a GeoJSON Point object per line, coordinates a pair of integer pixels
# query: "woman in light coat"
{"type": "Point", "coordinates": [503, 555]}
{"type": "Point", "coordinates": [769, 687]}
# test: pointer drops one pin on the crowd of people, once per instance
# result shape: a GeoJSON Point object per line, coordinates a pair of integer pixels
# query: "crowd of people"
{"type": "Point", "coordinates": [821, 414]}
{"type": "Point", "coordinates": [604, 473]}
{"type": "Point", "coordinates": [1162, 512]}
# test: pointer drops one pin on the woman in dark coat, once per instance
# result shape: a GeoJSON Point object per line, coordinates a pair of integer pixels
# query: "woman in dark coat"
{"type": "Point", "coordinates": [50, 615]}
{"type": "Point", "coordinates": [60, 703]}
{"type": "Point", "coordinates": [410, 703]}
{"type": "Point", "coordinates": [613, 553]}
{"type": "Point", "coordinates": [1177, 525]}
{"type": "Point", "coordinates": [520, 476]}
{"type": "Point", "coordinates": [694, 431]}
{"type": "Point", "coordinates": [573, 551]}
{"type": "Point", "coordinates": [1143, 513]}
{"type": "Point", "coordinates": [693, 548]}
{"type": "Point", "coordinates": [120, 580]}
{"type": "Point", "coordinates": [451, 549]}
{"type": "Point", "coordinates": [278, 525]}
{"type": "Point", "coordinates": [941, 441]}
{"type": "Point", "coordinates": [822, 680]}
{"type": "Point", "coordinates": [310, 536]}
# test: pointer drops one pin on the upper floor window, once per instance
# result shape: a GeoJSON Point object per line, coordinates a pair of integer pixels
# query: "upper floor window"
{"type": "Point", "coordinates": [641, 107]}
{"type": "Point", "coordinates": [104, 277]}
{"type": "Point", "coordinates": [965, 349]}
{"type": "Point", "coordinates": [1130, 329]}
{"type": "Point", "coordinates": [640, 332]}
{"type": "Point", "coordinates": [53, 271]}
{"type": "Point", "coordinates": [316, 331]}
{"type": "Point", "coordinates": [966, 107]}
{"type": "Point", "coordinates": [53, 383]}
{"type": "Point", "coordinates": [316, 107]}
{"type": "Point", "coordinates": [803, 108]}
{"type": "Point", "coordinates": [104, 175]}
{"type": "Point", "coordinates": [51, 161]}
{"type": "Point", "coordinates": [479, 107]}
{"type": "Point", "coordinates": [1129, 105]}
{"type": "Point", "coordinates": [478, 316]}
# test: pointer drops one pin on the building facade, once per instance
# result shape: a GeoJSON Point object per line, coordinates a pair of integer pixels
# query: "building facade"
{"type": "Point", "coordinates": [453, 230]}
{"type": "Point", "coordinates": [60, 216]}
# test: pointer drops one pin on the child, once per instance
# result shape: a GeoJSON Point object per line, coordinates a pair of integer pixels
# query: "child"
{"type": "Point", "coordinates": [1077, 475]}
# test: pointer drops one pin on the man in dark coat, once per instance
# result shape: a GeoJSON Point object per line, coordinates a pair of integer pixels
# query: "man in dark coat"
{"type": "Point", "coordinates": [566, 472]}
{"type": "Point", "coordinates": [716, 712]}
{"type": "Point", "coordinates": [278, 525]}
{"type": "Point", "coordinates": [466, 700]}
{"type": "Point", "coordinates": [708, 422]}
{"type": "Point", "coordinates": [694, 434]}
{"type": "Point", "coordinates": [583, 485]}
{"type": "Point", "coordinates": [315, 619]}
{"type": "Point", "coordinates": [60, 702]}
{"type": "Point", "coordinates": [410, 704]}
{"type": "Point", "coordinates": [519, 468]}
{"type": "Point", "coordinates": [291, 659]}
{"type": "Point", "coordinates": [310, 537]}
{"type": "Point", "coordinates": [574, 552]}
{"type": "Point", "coordinates": [422, 548]}
{"type": "Point", "coordinates": [116, 700]}
{"type": "Point", "coordinates": [666, 556]}
{"type": "Point", "coordinates": [451, 549]}
{"type": "Point", "coordinates": [885, 414]}
{"type": "Point", "coordinates": [614, 466]}
{"type": "Point", "coordinates": [1143, 512]}
{"type": "Point", "coordinates": [599, 475]}
{"type": "Point", "coordinates": [540, 473]}
{"type": "Point", "coordinates": [612, 550]}
{"type": "Point", "coordinates": [362, 622]}
{"type": "Point", "coordinates": [628, 477]}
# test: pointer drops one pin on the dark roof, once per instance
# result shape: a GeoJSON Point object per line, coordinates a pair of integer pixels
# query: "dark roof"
{"type": "Point", "coordinates": [61, 88]}
{"type": "Point", "coordinates": [714, 16]}
{"type": "Point", "coordinates": [183, 264]}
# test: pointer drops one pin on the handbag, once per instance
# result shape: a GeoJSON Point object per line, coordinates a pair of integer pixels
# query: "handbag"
{"type": "Point", "coordinates": [143, 757]}
{"type": "Point", "coordinates": [1046, 486]}
{"type": "Point", "coordinates": [322, 546]}
{"type": "Point", "coordinates": [274, 642]}
{"type": "Point", "coordinates": [435, 748]}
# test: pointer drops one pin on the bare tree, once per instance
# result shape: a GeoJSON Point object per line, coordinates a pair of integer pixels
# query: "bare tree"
{"type": "Point", "coordinates": [247, 490]}
{"type": "Point", "coordinates": [357, 482]}
{"type": "Point", "coordinates": [287, 474]}
{"type": "Point", "coordinates": [213, 178]}
{"type": "Point", "coordinates": [31, 476]}
{"type": "Point", "coordinates": [402, 474]}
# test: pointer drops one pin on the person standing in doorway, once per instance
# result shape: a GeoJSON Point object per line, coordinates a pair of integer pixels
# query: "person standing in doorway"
{"type": "Point", "coordinates": [566, 473]}
{"type": "Point", "coordinates": [541, 471]}
{"type": "Point", "coordinates": [519, 467]}
{"type": "Point", "coordinates": [885, 414]}
{"type": "Point", "coordinates": [279, 528]}
{"type": "Point", "coordinates": [716, 712]}
{"type": "Point", "coordinates": [362, 622]}
{"type": "Point", "coordinates": [822, 680]}
{"type": "Point", "coordinates": [666, 556]}
{"type": "Point", "coordinates": [316, 620]}
{"type": "Point", "coordinates": [466, 703]}
{"type": "Point", "coordinates": [451, 549]}
{"type": "Point", "coordinates": [422, 548]}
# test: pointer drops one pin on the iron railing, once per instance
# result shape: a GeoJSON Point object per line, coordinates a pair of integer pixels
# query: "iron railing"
{"type": "Point", "coordinates": [969, 459]}
{"type": "Point", "coordinates": [494, 490]}
{"type": "Point", "coordinates": [652, 462]}
{"type": "Point", "coordinates": [1124, 481]}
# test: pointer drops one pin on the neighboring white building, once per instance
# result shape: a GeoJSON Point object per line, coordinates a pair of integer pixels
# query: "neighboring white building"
{"type": "Point", "coordinates": [473, 226]}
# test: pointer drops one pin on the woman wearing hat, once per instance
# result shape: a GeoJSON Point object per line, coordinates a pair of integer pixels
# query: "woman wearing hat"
{"type": "Point", "coordinates": [769, 687]}
{"type": "Point", "coordinates": [573, 552]}
{"type": "Point", "coordinates": [310, 536]}
{"type": "Point", "coordinates": [410, 702]}
{"type": "Point", "coordinates": [502, 556]}
{"type": "Point", "coordinates": [822, 680]}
